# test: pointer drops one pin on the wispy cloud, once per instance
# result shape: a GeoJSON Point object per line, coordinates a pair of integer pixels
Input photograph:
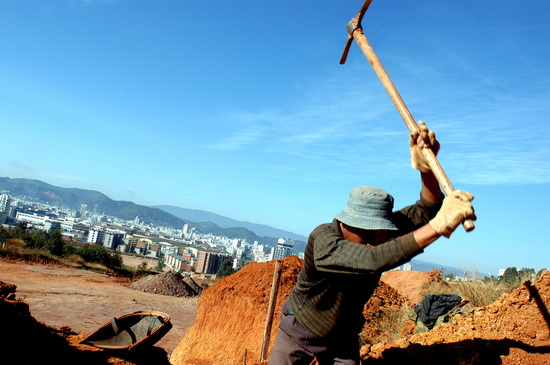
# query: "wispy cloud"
{"type": "Point", "coordinates": [489, 136]}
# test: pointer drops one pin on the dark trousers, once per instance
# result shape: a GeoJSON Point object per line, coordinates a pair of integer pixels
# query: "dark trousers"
{"type": "Point", "coordinates": [295, 345]}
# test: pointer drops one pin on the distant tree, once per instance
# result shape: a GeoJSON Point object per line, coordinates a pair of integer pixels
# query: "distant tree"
{"type": "Point", "coordinates": [450, 276]}
{"type": "Point", "coordinates": [22, 226]}
{"type": "Point", "coordinates": [160, 265]}
{"type": "Point", "coordinates": [93, 253]}
{"type": "Point", "coordinates": [226, 269]}
{"type": "Point", "coordinates": [99, 254]}
{"type": "Point", "coordinates": [69, 249]}
{"type": "Point", "coordinates": [54, 243]}
{"type": "Point", "coordinates": [526, 272]}
{"type": "Point", "coordinates": [510, 275]}
{"type": "Point", "coordinates": [20, 231]}
{"type": "Point", "coordinates": [115, 259]}
{"type": "Point", "coordinates": [36, 239]}
{"type": "Point", "coordinates": [4, 235]}
{"type": "Point", "coordinates": [141, 269]}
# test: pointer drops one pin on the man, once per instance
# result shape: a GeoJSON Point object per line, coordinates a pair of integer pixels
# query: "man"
{"type": "Point", "coordinates": [344, 260]}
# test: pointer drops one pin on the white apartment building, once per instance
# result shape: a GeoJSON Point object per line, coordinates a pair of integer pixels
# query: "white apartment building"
{"type": "Point", "coordinates": [178, 263]}
{"type": "Point", "coordinates": [32, 218]}
{"type": "Point", "coordinates": [96, 234]}
{"type": "Point", "coordinates": [283, 249]}
{"type": "Point", "coordinates": [112, 239]}
{"type": "Point", "coordinates": [5, 202]}
{"type": "Point", "coordinates": [166, 248]}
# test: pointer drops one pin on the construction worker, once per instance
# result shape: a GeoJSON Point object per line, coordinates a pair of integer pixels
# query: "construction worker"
{"type": "Point", "coordinates": [344, 260]}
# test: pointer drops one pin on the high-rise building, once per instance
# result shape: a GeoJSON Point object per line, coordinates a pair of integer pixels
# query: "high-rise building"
{"type": "Point", "coordinates": [112, 239]}
{"type": "Point", "coordinates": [210, 262]}
{"type": "Point", "coordinates": [5, 202]}
{"type": "Point", "coordinates": [83, 210]}
{"type": "Point", "coordinates": [283, 249]}
{"type": "Point", "coordinates": [96, 235]}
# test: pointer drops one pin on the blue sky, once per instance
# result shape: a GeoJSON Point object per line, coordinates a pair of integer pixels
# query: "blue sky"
{"type": "Point", "coordinates": [241, 108]}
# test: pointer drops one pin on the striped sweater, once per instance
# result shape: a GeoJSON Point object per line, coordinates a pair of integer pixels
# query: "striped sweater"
{"type": "Point", "coordinates": [339, 276]}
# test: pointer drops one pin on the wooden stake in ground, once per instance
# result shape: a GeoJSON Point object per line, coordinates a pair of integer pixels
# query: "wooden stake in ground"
{"type": "Point", "coordinates": [355, 31]}
{"type": "Point", "coordinates": [271, 309]}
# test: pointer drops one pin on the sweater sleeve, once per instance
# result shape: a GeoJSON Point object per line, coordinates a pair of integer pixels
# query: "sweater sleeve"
{"type": "Point", "coordinates": [334, 254]}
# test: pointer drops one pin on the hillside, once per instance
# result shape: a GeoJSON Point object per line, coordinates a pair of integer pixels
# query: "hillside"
{"type": "Point", "coordinates": [196, 215]}
{"type": "Point", "coordinates": [166, 215]}
{"type": "Point", "coordinates": [98, 202]}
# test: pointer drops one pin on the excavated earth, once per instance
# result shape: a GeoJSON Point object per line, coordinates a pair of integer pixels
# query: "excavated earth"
{"type": "Point", "coordinates": [231, 317]}
{"type": "Point", "coordinates": [168, 283]}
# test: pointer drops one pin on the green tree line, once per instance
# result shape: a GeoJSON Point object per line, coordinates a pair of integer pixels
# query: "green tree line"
{"type": "Point", "coordinates": [53, 243]}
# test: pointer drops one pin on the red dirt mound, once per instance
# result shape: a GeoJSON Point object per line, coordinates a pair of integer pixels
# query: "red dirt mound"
{"type": "Point", "coordinates": [411, 283]}
{"type": "Point", "coordinates": [168, 283]}
{"type": "Point", "coordinates": [231, 316]}
{"type": "Point", "coordinates": [513, 330]}
{"type": "Point", "coordinates": [383, 301]}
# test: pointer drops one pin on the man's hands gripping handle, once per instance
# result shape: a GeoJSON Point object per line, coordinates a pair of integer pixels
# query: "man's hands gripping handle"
{"type": "Point", "coordinates": [420, 139]}
{"type": "Point", "coordinates": [457, 207]}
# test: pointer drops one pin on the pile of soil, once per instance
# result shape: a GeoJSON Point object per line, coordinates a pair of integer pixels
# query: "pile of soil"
{"type": "Point", "coordinates": [513, 330]}
{"type": "Point", "coordinates": [168, 283]}
{"type": "Point", "coordinates": [231, 316]}
{"type": "Point", "coordinates": [411, 283]}
{"type": "Point", "coordinates": [378, 309]}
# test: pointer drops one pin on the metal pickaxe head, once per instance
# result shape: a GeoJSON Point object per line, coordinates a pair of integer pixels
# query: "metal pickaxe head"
{"type": "Point", "coordinates": [354, 24]}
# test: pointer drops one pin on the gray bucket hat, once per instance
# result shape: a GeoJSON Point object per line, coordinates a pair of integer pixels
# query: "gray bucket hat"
{"type": "Point", "coordinates": [368, 208]}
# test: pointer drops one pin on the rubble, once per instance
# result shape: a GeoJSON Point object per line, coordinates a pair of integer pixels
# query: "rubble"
{"type": "Point", "coordinates": [168, 283]}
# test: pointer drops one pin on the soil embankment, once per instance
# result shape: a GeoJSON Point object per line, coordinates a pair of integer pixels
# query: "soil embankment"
{"type": "Point", "coordinates": [54, 307]}
{"type": "Point", "coordinates": [231, 319]}
{"type": "Point", "coordinates": [231, 315]}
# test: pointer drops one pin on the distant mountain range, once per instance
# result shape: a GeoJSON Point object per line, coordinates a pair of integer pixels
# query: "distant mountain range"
{"type": "Point", "coordinates": [167, 215]}
{"type": "Point", "coordinates": [98, 202]}
{"type": "Point", "coordinates": [195, 215]}
{"type": "Point", "coordinates": [424, 266]}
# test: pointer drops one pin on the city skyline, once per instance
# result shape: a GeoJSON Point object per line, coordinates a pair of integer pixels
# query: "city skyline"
{"type": "Point", "coordinates": [242, 109]}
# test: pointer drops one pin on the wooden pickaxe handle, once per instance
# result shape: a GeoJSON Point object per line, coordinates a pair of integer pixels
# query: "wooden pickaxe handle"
{"type": "Point", "coordinates": [356, 32]}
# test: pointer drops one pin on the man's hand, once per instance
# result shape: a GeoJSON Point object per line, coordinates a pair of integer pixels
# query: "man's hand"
{"type": "Point", "coordinates": [423, 138]}
{"type": "Point", "coordinates": [455, 209]}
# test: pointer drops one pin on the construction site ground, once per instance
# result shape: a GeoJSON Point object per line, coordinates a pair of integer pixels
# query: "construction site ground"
{"type": "Point", "coordinates": [83, 300]}
{"type": "Point", "coordinates": [226, 325]}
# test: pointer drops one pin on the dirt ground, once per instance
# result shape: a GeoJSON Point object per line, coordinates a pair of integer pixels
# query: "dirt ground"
{"type": "Point", "coordinates": [410, 283]}
{"type": "Point", "coordinates": [226, 325]}
{"type": "Point", "coordinates": [83, 300]}
{"type": "Point", "coordinates": [135, 261]}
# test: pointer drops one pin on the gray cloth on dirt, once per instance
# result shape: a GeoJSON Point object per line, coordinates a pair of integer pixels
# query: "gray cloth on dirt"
{"type": "Point", "coordinates": [435, 305]}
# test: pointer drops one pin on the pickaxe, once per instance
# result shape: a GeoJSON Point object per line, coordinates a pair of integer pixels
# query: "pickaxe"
{"type": "Point", "coordinates": [355, 31]}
